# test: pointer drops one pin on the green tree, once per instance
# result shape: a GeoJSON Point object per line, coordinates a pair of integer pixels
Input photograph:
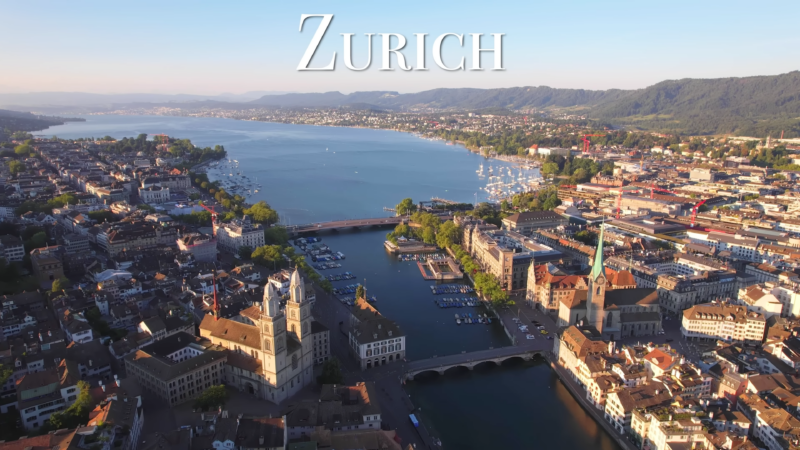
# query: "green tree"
{"type": "Point", "coordinates": [245, 252]}
{"type": "Point", "coordinates": [60, 284]}
{"type": "Point", "coordinates": [331, 372]}
{"type": "Point", "coordinates": [276, 235]}
{"type": "Point", "coordinates": [16, 167]}
{"type": "Point", "coordinates": [429, 235]}
{"type": "Point", "coordinates": [549, 168]}
{"type": "Point", "coordinates": [406, 206]}
{"type": "Point", "coordinates": [212, 398]}
{"type": "Point", "coordinates": [268, 256]}
{"type": "Point", "coordinates": [262, 213]}
{"type": "Point", "coordinates": [361, 292]}
{"type": "Point", "coordinates": [23, 150]}
{"type": "Point", "coordinates": [448, 234]}
{"type": "Point", "coordinates": [77, 413]}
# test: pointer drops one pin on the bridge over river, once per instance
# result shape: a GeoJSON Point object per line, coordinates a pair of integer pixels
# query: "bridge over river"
{"type": "Point", "coordinates": [344, 224]}
{"type": "Point", "coordinates": [469, 360]}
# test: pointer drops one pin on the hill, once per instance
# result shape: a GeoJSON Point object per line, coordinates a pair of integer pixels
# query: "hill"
{"type": "Point", "coordinates": [751, 105]}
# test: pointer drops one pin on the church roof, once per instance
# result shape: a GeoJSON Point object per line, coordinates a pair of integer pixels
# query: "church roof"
{"type": "Point", "coordinates": [230, 330]}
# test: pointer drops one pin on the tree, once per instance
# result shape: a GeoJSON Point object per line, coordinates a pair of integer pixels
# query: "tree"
{"type": "Point", "coordinates": [212, 398]}
{"type": "Point", "coordinates": [245, 252]}
{"type": "Point", "coordinates": [23, 150]}
{"type": "Point", "coordinates": [331, 372]}
{"type": "Point", "coordinates": [276, 235]}
{"type": "Point", "coordinates": [77, 413]}
{"type": "Point", "coordinates": [60, 284]}
{"type": "Point", "coordinates": [16, 167]}
{"type": "Point", "coordinates": [448, 234]}
{"type": "Point", "coordinates": [102, 215]}
{"type": "Point", "coordinates": [549, 168]}
{"type": "Point", "coordinates": [406, 206]}
{"type": "Point", "coordinates": [429, 235]}
{"type": "Point", "coordinates": [268, 256]}
{"type": "Point", "coordinates": [361, 292]}
{"type": "Point", "coordinates": [262, 213]}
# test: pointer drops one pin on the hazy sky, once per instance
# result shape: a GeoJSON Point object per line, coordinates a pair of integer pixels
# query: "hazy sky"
{"type": "Point", "coordinates": [204, 47]}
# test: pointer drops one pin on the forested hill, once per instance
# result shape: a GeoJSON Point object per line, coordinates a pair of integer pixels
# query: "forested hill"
{"type": "Point", "coordinates": [751, 105]}
{"type": "Point", "coordinates": [14, 121]}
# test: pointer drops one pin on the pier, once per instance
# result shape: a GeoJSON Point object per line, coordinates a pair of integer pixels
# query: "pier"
{"type": "Point", "coordinates": [342, 224]}
{"type": "Point", "coordinates": [468, 360]}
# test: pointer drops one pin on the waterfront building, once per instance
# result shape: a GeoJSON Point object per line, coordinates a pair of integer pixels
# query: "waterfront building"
{"type": "Point", "coordinates": [177, 368]}
{"type": "Point", "coordinates": [723, 321]}
{"type": "Point", "coordinates": [271, 351]}
{"type": "Point", "coordinates": [374, 339]}
{"type": "Point", "coordinates": [339, 409]}
{"type": "Point", "coordinates": [614, 313]}
{"type": "Point", "coordinates": [525, 222]}
{"type": "Point", "coordinates": [507, 255]}
{"type": "Point", "coordinates": [239, 233]}
{"type": "Point", "coordinates": [621, 403]}
{"type": "Point", "coordinates": [589, 360]}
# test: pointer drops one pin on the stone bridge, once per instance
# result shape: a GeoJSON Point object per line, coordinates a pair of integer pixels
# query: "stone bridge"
{"type": "Point", "coordinates": [343, 224]}
{"type": "Point", "coordinates": [469, 360]}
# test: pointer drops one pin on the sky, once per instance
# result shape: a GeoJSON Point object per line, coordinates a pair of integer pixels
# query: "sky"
{"type": "Point", "coordinates": [213, 47]}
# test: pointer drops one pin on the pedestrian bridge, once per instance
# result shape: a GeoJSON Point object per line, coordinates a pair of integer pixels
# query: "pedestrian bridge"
{"type": "Point", "coordinates": [469, 360]}
{"type": "Point", "coordinates": [343, 224]}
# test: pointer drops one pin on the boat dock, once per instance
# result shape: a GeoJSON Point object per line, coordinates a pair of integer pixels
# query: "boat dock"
{"type": "Point", "coordinates": [440, 269]}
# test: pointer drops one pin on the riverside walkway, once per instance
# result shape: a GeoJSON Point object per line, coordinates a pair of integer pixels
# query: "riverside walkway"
{"type": "Point", "coordinates": [342, 224]}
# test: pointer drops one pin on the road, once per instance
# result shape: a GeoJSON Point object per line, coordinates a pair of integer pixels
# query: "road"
{"type": "Point", "coordinates": [346, 223]}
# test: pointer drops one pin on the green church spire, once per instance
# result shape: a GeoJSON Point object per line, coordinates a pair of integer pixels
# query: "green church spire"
{"type": "Point", "coordinates": [597, 267]}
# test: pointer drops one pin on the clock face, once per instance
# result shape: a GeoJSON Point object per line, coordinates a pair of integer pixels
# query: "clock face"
{"type": "Point", "coordinates": [600, 281]}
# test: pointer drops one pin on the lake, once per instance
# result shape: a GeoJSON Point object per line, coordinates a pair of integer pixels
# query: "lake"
{"type": "Point", "coordinates": [311, 174]}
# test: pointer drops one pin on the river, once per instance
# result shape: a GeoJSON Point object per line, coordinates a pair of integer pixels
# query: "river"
{"type": "Point", "coordinates": [515, 406]}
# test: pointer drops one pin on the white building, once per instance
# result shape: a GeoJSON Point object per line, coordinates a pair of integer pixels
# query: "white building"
{"type": "Point", "coordinates": [11, 248]}
{"type": "Point", "coordinates": [154, 194]}
{"type": "Point", "coordinates": [238, 233]}
{"type": "Point", "coordinates": [721, 321]}
{"type": "Point", "coordinates": [374, 339]}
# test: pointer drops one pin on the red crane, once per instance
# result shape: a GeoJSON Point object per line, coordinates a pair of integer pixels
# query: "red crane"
{"type": "Point", "coordinates": [163, 141]}
{"type": "Point", "coordinates": [587, 143]}
{"type": "Point", "coordinates": [694, 211]}
{"type": "Point", "coordinates": [213, 219]}
{"type": "Point", "coordinates": [216, 305]}
{"type": "Point", "coordinates": [653, 188]}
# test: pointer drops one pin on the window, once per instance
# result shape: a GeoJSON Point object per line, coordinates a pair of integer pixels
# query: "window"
{"type": "Point", "coordinates": [294, 361]}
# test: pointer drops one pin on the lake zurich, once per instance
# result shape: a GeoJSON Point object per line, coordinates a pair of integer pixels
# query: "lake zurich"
{"type": "Point", "coordinates": [312, 174]}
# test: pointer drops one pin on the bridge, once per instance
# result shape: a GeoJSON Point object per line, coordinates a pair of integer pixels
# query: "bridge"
{"type": "Point", "coordinates": [343, 224]}
{"type": "Point", "coordinates": [469, 360]}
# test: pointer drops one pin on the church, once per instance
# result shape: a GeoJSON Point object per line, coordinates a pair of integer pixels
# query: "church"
{"type": "Point", "coordinates": [614, 307]}
{"type": "Point", "coordinates": [270, 351]}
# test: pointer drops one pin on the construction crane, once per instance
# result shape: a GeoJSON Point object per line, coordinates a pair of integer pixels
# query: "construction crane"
{"type": "Point", "coordinates": [213, 219]}
{"type": "Point", "coordinates": [163, 140]}
{"type": "Point", "coordinates": [694, 210]}
{"type": "Point", "coordinates": [653, 188]}
{"type": "Point", "coordinates": [587, 143]}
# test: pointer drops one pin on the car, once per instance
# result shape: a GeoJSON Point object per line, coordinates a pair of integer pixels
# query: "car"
{"type": "Point", "coordinates": [543, 332]}
{"type": "Point", "coordinates": [549, 338]}
{"type": "Point", "coordinates": [530, 336]}
{"type": "Point", "coordinates": [535, 322]}
{"type": "Point", "coordinates": [541, 327]}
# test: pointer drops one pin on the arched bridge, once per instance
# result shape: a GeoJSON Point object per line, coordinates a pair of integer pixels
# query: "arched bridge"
{"type": "Point", "coordinates": [342, 224]}
{"type": "Point", "coordinates": [469, 360]}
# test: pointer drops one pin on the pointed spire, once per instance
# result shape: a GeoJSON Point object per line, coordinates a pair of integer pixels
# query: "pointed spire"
{"type": "Point", "coordinates": [597, 267]}
{"type": "Point", "coordinates": [270, 302]}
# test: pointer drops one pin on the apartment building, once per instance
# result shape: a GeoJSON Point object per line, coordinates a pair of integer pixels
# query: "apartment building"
{"type": "Point", "coordinates": [322, 346]}
{"type": "Point", "coordinates": [524, 223]}
{"type": "Point", "coordinates": [178, 368]}
{"type": "Point", "coordinates": [11, 248]}
{"type": "Point", "coordinates": [201, 246]}
{"type": "Point", "coordinates": [239, 233]}
{"type": "Point", "coordinates": [340, 409]}
{"type": "Point", "coordinates": [723, 321]}
{"type": "Point", "coordinates": [40, 394]}
{"type": "Point", "coordinates": [374, 339]}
